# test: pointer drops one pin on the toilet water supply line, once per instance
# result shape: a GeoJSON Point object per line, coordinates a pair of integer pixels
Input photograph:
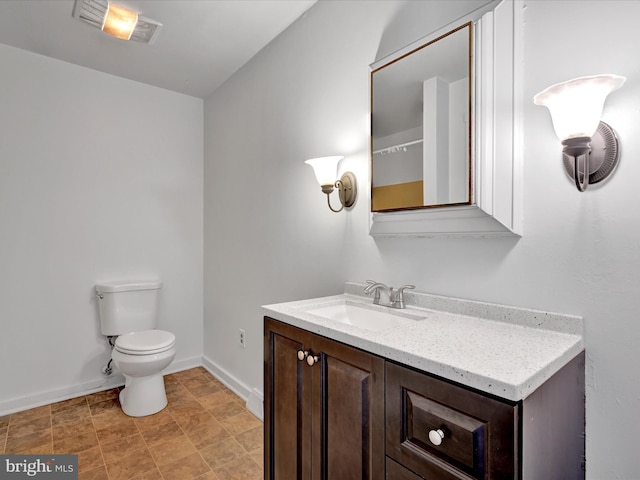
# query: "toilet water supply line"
{"type": "Point", "coordinates": [108, 369]}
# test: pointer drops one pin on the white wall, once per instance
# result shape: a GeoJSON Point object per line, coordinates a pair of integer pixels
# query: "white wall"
{"type": "Point", "coordinates": [100, 179]}
{"type": "Point", "coordinates": [269, 236]}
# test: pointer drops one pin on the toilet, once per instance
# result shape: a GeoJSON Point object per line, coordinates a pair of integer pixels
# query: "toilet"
{"type": "Point", "coordinates": [129, 311]}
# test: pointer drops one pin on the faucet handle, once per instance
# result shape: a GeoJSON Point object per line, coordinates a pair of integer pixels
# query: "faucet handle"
{"type": "Point", "coordinates": [405, 287]}
{"type": "Point", "coordinates": [399, 296]}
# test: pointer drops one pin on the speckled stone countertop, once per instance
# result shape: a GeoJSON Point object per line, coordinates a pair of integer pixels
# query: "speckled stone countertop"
{"type": "Point", "coordinates": [505, 351]}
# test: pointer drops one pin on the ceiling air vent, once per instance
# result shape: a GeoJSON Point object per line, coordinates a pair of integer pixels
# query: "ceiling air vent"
{"type": "Point", "coordinates": [94, 12]}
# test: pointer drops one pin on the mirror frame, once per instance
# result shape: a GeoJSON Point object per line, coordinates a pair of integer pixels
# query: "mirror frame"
{"type": "Point", "coordinates": [469, 168]}
{"type": "Point", "coordinates": [496, 207]}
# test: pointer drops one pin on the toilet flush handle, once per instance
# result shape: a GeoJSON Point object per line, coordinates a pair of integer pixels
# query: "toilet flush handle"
{"type": "Point", "coordinates": [99, 295]}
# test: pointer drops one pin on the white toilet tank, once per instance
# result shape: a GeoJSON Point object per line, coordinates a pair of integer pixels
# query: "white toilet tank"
{"type": "Point", "coordinates": [128, 306]}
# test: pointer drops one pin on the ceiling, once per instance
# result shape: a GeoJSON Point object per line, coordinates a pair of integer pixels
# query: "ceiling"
{"type": "Point", "coordinates": [201, 44]}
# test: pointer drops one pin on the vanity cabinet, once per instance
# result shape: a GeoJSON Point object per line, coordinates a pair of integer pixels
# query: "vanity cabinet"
{"type": "Point", "coordinates": [324, 408]}
{"type": "Point", "coordinates": [334, 412]}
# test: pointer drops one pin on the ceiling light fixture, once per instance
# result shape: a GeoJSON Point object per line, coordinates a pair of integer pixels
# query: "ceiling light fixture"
{"type": "Point", "coordinates": [119, 21]}
{"type": "Point", "coordinates": [116, 20]}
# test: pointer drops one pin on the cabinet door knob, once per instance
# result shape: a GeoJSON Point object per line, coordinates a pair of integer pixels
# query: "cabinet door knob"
{"type": "Point", "coordinates": [302, 354]}
{"type": "Point", "coordinates": [436, 436]}
{"type": "Point", "coordinates": [312, 359]}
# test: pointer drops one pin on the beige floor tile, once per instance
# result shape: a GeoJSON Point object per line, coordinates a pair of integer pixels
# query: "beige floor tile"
{"type": "Point", "coordinates": [172, 450]}
{"type": "Point", "coordinates": [117, 430]}
{"type": "Point", "coordinates": [221, 453]}
{"type": "Point", "coordinates": [40, 442]}
{"type": "Point", "coordinates": [131, 466]}
{"type": "Point", "coordinates": [153, 421]}
{"type": "Point", "coordinates": [75, 443]}
{"type": "Point", "coordinates": [162, 433]}
{"type": "Point", "coordinates": [187, 468]}
{"type": "Point", "coordinates": [209, 435]}
{"type": "Point", "coordinates": [251, 439]}
{"type": "Point", "coordinates": [226, 410]}
{"type": "Point", "coordinates": [106, 406]}
{"type": "Point", "coordinates": [258, 456]}
{"type": "Point", "coordinates": [132, 444]}
{"type": "Point", "coordinates": [186, 409]}
{"type": "Point", "coordinates": [208, 476]}
{"type": "Point", "coordinates": [243, 468]}
{"type": "Point", "coordinates": [215, 399]}
{"type": "Point", "coordinates": [90, 459]}
{"type": "Point", "coordinates": [99, 473]}
{"type": "Point", "coordinates": [205, 389]}
{"type": "Point", "coordinates": [98, 397]}
{"type": "Point", "coordinates": [72, 402]}
{"type": "Point", "coordinates": [29, 415]}
{"type": "Point", "coordinates": [28, 427]}
{"type": "Point", "coordinates": [202, 419]}
{"type": "Point", "coordinates": [185, 441]}
{"type": "Point", "coordinates": [72, 414]}
{"type": "Point", "coordinates": [150, 475]}
{"type": "Point", "coordinates": [240, 423]}
{"type": "Point", "coordinates": [179, 395]}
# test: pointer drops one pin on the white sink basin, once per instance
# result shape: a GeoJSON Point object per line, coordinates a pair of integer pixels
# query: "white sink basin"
{"type": "Point", "coordinates": [363, 316]}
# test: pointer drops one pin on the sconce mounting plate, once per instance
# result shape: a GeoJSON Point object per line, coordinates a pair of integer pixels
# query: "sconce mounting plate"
{"type": "Point", "coordinates": [603, 157]}
{"type": "Point", "coordinates": [348, 189]}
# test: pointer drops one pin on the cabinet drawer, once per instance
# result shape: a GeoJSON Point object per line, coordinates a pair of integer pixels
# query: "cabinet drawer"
{"type": "Point", "coordinates": [440, 430]}
{"type": "Point", "coordinates": [395, 471]}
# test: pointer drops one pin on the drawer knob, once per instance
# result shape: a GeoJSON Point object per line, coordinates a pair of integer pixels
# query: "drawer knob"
{"type": "Point", "coordinates": [312, 359]}
{"type": "Point", "coordinates": [302, 354]}
{"type": "Point", "coordinates": [436, 436]}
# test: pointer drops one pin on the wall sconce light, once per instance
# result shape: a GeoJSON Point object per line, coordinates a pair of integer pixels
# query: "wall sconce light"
{"type": "Point", "coordinates": [326, 170]}
{"type": "Point", "coordinates": [590, 147]}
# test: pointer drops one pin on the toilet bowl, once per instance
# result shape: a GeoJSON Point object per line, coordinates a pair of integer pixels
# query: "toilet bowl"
{"type": "Point", "coordinates": [141, 357]}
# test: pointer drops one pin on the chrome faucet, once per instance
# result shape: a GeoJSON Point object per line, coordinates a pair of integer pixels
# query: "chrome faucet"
{"type": "Point", "coordinates": [396, 296]}
{"type": "Point", "coordinates": [375, 287]}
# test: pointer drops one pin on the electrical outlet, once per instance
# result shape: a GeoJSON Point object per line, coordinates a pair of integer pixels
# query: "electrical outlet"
{"type": "Point", "coordinates": [241, 338]}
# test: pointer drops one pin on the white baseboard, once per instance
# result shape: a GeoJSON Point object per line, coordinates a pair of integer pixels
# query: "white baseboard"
{"type": "Point", "coordinates": [105, 383]}
{"type": "Point", "coordinates": [253, 397]}
{"type": "Point", "coordinates": [52, 396]}
{"type": "Point", "coordinates": [255, 403]}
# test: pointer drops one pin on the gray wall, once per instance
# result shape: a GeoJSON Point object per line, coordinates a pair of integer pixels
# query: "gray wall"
{"type": "Point", "coordinates": [269, 236]}
{"type": "Point", "coordinates": [100, 179]}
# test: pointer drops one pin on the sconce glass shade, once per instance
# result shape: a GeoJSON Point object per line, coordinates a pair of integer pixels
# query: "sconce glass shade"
{"type": "Point", "coordinates": [576, 105]}
{"type": "Point", "coordinates": [326, 169]}
{"type": "Point", "coordinates": [119, 21]}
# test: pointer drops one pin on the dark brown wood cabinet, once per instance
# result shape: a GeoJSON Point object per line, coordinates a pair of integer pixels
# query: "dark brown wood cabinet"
{"type": "Point", "coordinates": [437, 430]}
{"type": "Point", "coordinates": [334, 412]}
{"type": "Point", "coordinates": [324, 408]}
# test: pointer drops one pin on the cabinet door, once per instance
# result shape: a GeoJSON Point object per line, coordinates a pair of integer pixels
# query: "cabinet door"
{"type": "Point", "coordinates": [348, 413]}
{"type": "Point", "coordinates": [287, 404]}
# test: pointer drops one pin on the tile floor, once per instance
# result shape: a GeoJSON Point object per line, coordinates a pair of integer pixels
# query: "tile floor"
{"type": "Point", "coordinates": [205, 433]}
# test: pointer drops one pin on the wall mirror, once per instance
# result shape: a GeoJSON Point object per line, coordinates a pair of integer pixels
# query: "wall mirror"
{"type": "Point", "coordinates": [420, 128]}
{"type": "Point", "coordinates": [474, 187]}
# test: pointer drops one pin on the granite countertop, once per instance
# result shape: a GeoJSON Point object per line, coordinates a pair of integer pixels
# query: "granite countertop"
{"type": "Point", "coordinates": [501, 350]}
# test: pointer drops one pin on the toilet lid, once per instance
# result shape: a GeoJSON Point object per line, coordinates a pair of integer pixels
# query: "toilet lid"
{"type": "Point", "coordinates": [145, 342]}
